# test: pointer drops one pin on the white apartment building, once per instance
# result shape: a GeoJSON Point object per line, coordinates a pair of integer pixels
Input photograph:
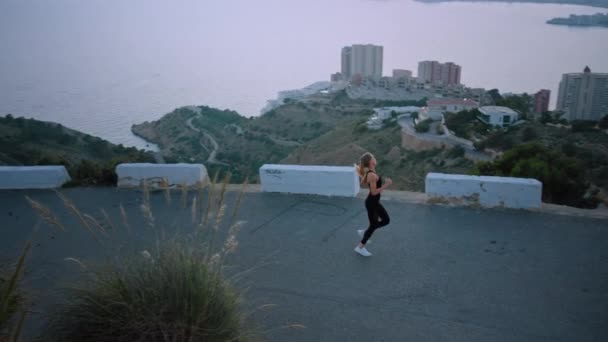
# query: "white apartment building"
{"type": "Point", "coordinates": [364, 60]}
{"type": "Point", "coordinates": [583, 96]}
{"type": "Point", "coordinates": [435, 108]}
{"type": "Point", "coordinates": [402, 73]}
{"type": "Point", "coordinates": [498, 116]}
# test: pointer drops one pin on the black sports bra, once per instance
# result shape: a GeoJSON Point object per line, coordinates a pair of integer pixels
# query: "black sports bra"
{"type": "Point", "coordinates": [378, 182]}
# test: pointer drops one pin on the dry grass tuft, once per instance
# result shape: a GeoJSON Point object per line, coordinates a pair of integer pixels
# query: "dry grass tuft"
{"type": "Point", "coordinates": [74, 210]}
{"type": "Point", "coordinates": [176, 293]}
{"type": "Point", "coordinates": [172, 296]}
{"type": "Point", "coordinates": [95, 223]}
{"type": "Point", "coordinates": [45, 213]}
{"type": "Point", "coordinates": [108, 220]}
{"type": "Point", "coordinates": [125, 218]}
{"type": "Point", "coordinates": [9, 293]}
{"type": "Point", "coordinates": [193, 210]}
{"type": "Point", "coordinates": [184, 199]}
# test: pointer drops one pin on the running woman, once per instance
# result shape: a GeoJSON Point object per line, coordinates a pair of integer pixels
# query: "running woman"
{"type": "Point", "coordinates": [377, 215]}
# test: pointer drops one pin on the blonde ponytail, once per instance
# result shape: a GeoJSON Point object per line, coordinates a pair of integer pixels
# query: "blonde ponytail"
{"type": "Point", "coordinates": [363, 166]}
{"type": "Point", "coordinates": [360, 170]}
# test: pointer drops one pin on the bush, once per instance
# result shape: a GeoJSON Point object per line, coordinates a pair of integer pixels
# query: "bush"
{"type": "Point", "coordinates": [498, 139]}
{"type": "Point", "coordinates": [440, 130]}
{"type": "Point", "coordinates": [174, 296]}
{"type": "Point", "coordinates": [563, 177]}
{"type": "Point", "coordinates": [423, 126]}
{"type": "Point", "coordinates": [360, 127]}
{"type": "Point", "coordinates": [582, 126]}
{"type": "Point", "coordinates": [460, 123]}
{"type": "Point", "coordinates": [456, 152]}
{"type": "Point", "coordinates": [529, 134]}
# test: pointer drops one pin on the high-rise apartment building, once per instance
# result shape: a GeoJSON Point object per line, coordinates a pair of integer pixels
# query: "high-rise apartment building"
{"type": "Point", "coordinates": [438, 73]}
{"type": "Point", "coordinates": [541, 101]}
{"type": "Point", "coordinates": [347, 53]}
{"type": "Point", "coordinates": [583, 96]}
{"type": "Point", "coordinates": [363, 60]}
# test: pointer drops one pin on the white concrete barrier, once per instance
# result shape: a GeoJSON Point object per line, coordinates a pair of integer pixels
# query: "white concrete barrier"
{"type": "Point", "coordinates": [304, 179]}
{"type": "Point", "coordinates": [33, 177]}
{"type": "Point", "coordinates": [487, 191]}
{"type": "Point", "coordinates": [133, 175]}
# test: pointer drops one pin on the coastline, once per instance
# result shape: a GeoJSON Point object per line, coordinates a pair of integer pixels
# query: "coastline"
{"type": "Point", "coordinates": [542, 2]}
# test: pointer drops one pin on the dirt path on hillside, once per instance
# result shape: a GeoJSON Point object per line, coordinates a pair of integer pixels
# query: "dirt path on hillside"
{"type": "Point", "coordinates": [212, 156]}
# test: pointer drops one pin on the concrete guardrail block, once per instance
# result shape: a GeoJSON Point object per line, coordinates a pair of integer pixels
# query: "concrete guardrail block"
{"type": "Point", "coordinates": [133, 175]}
{"type": "Point", "coordinates": [487, 191]}
{"type": "Point", "coordinates": [305, 179]}
{"type": "Point", "coordinates": [33, 177]}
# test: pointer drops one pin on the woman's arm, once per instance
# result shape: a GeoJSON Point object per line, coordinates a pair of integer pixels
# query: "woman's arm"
{"type": "Point", "coordinates": [373, 179]}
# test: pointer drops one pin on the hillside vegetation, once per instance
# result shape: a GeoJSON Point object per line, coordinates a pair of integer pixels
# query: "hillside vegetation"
{"type": "Point", "coordinates": [323, 129]}
{"type": "Point", "coordinates": [571, 161]}
{"type": "Point", "coordinates": [89, 160]}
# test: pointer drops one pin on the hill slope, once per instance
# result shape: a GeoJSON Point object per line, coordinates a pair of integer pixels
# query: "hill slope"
{"type": "Point", "coordinates": [89, 159]}
{"type": "Point", "coordinates": [322, 130]}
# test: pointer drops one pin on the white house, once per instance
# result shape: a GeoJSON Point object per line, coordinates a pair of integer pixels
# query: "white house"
{"type": "Point", "coordinates": [381, 114]}
{"type": "Point", "coordinates": [498, 116]}
{"type": "Point", "coordinates": [435, 108]}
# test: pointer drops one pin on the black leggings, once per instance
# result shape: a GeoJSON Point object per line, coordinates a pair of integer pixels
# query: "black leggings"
{"type": "Point", "coordinates": [378, 217]}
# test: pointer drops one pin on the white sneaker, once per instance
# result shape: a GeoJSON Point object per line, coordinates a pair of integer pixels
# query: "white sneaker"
{"type": "Point", "coordinates": [363, 251]}
{"type": "Point", "coordinates": [361, 232]}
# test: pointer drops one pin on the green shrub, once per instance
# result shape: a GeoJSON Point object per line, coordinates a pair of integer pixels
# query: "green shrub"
{"type": "Point", "coordinates": [582, 126]}
{"type": "Point", "coordinates": [529, 134]}
{"type": "Point", "coordinates": [462, 122]}
{"type": "Point", "coordinates": [563, 177]}
{"type": "Point", "coordinates": [360, 126]}
{"type": "Point", "coordinates": [440, 130]}
{"type": "Point", "coordinates": [456, 152]}
{"type": "Point", "coordinates": [423, 126]}
{"type": "Point", "coordinates": [173, 296]}
{"type": "Point", "coordinates": [497, 139]}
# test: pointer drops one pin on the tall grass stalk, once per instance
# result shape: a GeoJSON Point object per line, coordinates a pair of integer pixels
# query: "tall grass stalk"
{"type": "Point", "coordinates": [164, 184]}
{"type": "Point", "coordinates": [193, 210]}
{"type": "Point", "coordinates": [201, 195]}
{"type": "Point", "coordinates": [107, 219]}
{"type": "Point", "coordinates": [9, 297]}
{"type": "Point", "coordinates": [185, 190]}
{"type": "Point", "coordinates": [16, 334]}
{"type": "Point", "coordinates": [45, 213]}
{"type": "Point", "coordinates": [95, 223]}
{"type": "Point", "coordinates": [74, 210]}
{"type": "Point", "coordinates": [239, 199]}
{"type": "Point", "coordinates": [210, 199]}
{"type": "Point", "coordinates": [125, 218]}
{"type": "Point", "coordinates": [219, 215]}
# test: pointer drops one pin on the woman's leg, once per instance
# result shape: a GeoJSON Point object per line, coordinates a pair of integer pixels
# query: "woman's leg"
{"type": "Point", "coordinates": [378, 217]}
{"type": "Point", "coordinates": [383, 215]}
{"type": "Point", "coordinates": [372, 215]}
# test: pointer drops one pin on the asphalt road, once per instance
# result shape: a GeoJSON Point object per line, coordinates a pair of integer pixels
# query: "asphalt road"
{"type": "Point", "coordinates": [437, 273]}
